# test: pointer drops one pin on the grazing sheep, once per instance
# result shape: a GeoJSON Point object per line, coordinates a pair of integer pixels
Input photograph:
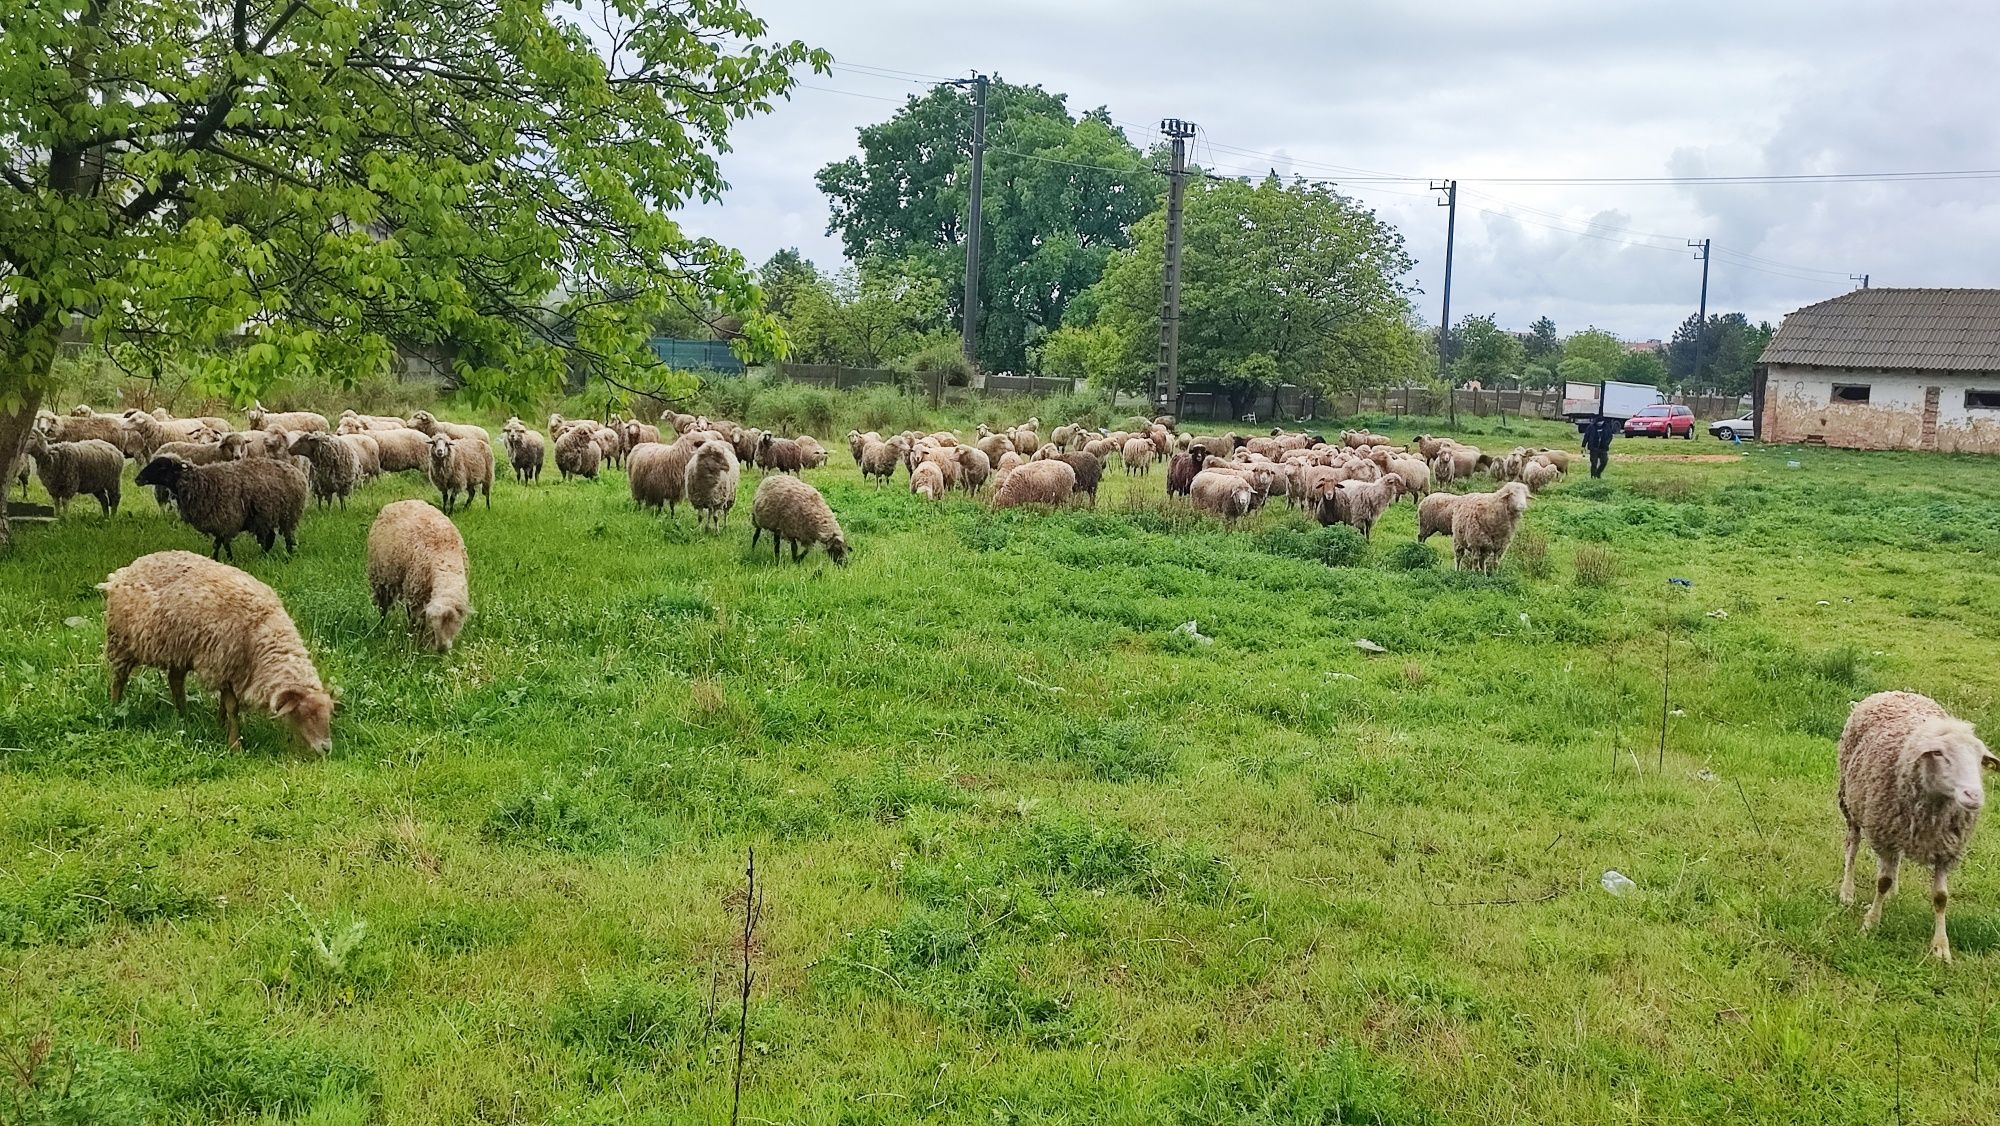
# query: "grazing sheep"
{"type": "Point", "coordinates": [1910, 781]}
{"type": "Point", "coordinates": [334, 466]}
{"type": "Point", "coordinates": [790, 509]}
{"type": "Point", "coordinates": [150, 432]}
{"type": "Point", "coordinates": [946, 460]}
{"type": "Point", "coordinates": [1037, 482]}
{"type": "Point", "coordinates": [461, 465]}
{"type": "Point", "coordinates": [351, 423]}
{"type": "Point", "coordinates": [712, 475]}
{"type": "Point", "coordinates": [780, 454]}
{"type": "Point", "coordinates": [240, 444]}
{"type": "Point", "coordinates": [416, 559]}
{"type": "Point", "coordinates": [1434, 514]}
{"type": "Point", "coordinates": [175, 611]}
{"type": "Point", "coordinates": [640, 434]}
{"type": "Point", "coordinates": [403, 450]}
{"type": "Point", "coordinates": [879, 459]}
{"type": "Point", "coordinates": [1138, 456]}
{"type": "Point", "coordinates": [1482, 525]}
{"type": "Point", "coordinates": [286, 422]}
{"type": "Point", "coordinates": [367, 454]}
{"type": "Point", "coordinates": [610, 445]}
{"type": "Point", "coordinates": [265, 497]}
{"type": "Point", "coordinates": [1558, 458]}
{"type": "Point", "coordinates": [526, 453]}
{"type": "Point", "coordinates": [995, 446]}
{"type": "Point", "coordinates": [1180, 474]}
{"type": "Point", "coordinates": [431, 425]}
{"type": "Point", "coordinates": [91, 467]}
{"type": "Point", "coordinates": [1359, 504]}
{"type": "Point", "coordinates": [1539, 475]}
{"type": "Point", "coordinates": [658, 473]}
{"type": "Point", "coordinates": [108, 428]}
{"type": "Point", "coordinates": [813, 453]}
{"type": "Point", "coordinates": [1228, 495]}
{"type": "Point", "coordinates": [927, 480]}
{"type": "Point", "coordinates": [1089, 473]}
{"type": "Point", "coordinates": [973, 468]}
{"type": "Point", "coordinates": [577, 453]}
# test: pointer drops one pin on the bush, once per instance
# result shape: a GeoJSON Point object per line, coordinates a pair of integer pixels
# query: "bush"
{"type": "Point", "coordinates": [1412, 556]}
{"type": "Point", "coordinates": [1595, 565]}
{"type": "Point", "coordinates": [1091, 410]}
{"type": "Point", "coordinates": [794, 408]}
{"type": "Point", "coordinates": [946, 356]}
{"type": "Point", "coordinates": [730, 398]}
{"type": "Point", "coordinates": [1335, 545]}
{"type": "Point", "coordinates": [887, 410]}
{"type": "Point", "coordinates": [1531, 554]}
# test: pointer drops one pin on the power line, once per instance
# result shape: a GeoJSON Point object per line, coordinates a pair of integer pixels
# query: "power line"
{"type": "Point", "coordinates": [849, 93]}
{"type": "Point", "coordinates": [889, 71]}
{"type": "Point", "coordinates": [1075, 164]}
{"type": "Point", "coordinates": [1723, 250]}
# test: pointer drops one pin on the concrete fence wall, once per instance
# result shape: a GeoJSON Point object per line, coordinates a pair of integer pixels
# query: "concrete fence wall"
{"type": "Point", "coordinates": [1213, 405]}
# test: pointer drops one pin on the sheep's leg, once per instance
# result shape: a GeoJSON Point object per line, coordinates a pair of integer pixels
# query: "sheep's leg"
{"type": "Point", "coordinates": [755, 531]}
{"type": "Point", "coordinates": [798, 550]}
{"type": "Point", "coordinates": [120, 673]}
{"type": "Point", "coordinates": [1886, 862]}
{"type": "Point", "coordinates": [1847, 868]}
{"type": "Point", "coordinates": [177, 680]}
{"type": "Point", "coordinates": [777, 546]}
{"type": "Point", "coordinates": [1940, 895]}
{"type": "Point", "coordinates": [228, 702]}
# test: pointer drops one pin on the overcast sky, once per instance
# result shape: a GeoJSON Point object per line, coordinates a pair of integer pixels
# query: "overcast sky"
{"type": "Point", "coordinates": [1480, 91]}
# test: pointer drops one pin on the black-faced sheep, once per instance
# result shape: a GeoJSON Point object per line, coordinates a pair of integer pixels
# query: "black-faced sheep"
{"type": "Point", "coordinates": [1910, 782]}
{"type": "Point", "coordinates": [175, 611]}
{"type": "Point", "coordinates": [1482, 525]}
{"type": "Point", "coordinates": [91, 467]}
{"type": "Point", "coordinates": [790, 509]}
{"type": "Point", "coordinates": [265, 497]}
{"type": "Point", "coordinates": [712, 476]}
{"type": "Point", "coordinates": [416, 560]}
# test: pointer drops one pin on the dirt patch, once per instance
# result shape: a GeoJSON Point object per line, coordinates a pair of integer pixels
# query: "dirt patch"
{"type": "Point", "coordinates": [1700, 459]}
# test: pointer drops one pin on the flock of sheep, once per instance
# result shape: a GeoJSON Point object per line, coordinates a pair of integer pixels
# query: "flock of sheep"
{"type": "Point", "coordinates": [1910, 774]}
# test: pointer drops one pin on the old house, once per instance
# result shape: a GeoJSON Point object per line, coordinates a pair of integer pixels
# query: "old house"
{"type": "Point", "coordinates": [1886, 369]}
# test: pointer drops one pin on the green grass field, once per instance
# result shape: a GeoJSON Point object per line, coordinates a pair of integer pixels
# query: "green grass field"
{"type": "Point", "coordinates": [1028, 853]}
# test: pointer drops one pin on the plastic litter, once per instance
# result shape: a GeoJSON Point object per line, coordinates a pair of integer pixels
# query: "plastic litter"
{"type": "Point", "coordinates": [1188, 628]}
{"type": "Point", "coordinates": [1617, 883]}
{"type": "Point", "coordinates": [1791, 465]}
{"type": "Point", "coordinates": [1705, 775]}
{"type": "Point", "coordinates": [76, 623]}
{"type": "Point", "coordinates": [1367, 646]}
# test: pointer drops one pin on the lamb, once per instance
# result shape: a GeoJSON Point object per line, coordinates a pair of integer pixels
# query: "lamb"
{"type": "Point", "coordinates": [1910, 781]}
{"type": "Point", "coordinates": [286, 422]}
{"type": "Point", "coordinates": [1228, 495]}
{"type": "Point", "coordinates": [1539, 475]}
{"type": "Point", "coordinates": [335, 467]}
{"type": "Point", "coordinates": [712, 476]}
{"type": "Point", "coordinates": [927, 481]}
{"type": "Point", "coordinates": [658, 473]}
{"type": "Point", "coordinates": [790, 509]}
{"type": "Point", "coordinates": [1482, 525]}
{"type": "Point", "coordinates": [1180, 474]}
{"type": "Point", "coordinates": [526, 453]}
{"type": "Point", "coordinates": [780, 454]}
{"type": "Point", "coordinates": [1089, 473]}
{"type": "Point", "coordinates": [265, 497]}
{"type": "Point", "coordinates": [1359, 504]}
{"type": "Point", "coordinates": [351, 423]}
{"type": "Point", "coordinates": [879, 459]}
{"type": "Point", "coordinates": [91, 467]}
{"type": "Point", "coordinates": [174, 610]}
{"type": "Point", "coordinates": [461, 465]}
{"type": "Point", "coordinates": [1065, 435]}
{"type": "Point", "coordinates": [416, 559]}
{"type": "Point", "coordinates": [367, 454]}
{"type": "Point", "coordinates": [577, 453]}
{"type": "Point", "coordinates": [610, 445]}
{"type": "Point", "coordinates": [428, 424]}
{"type": "Point", "coordinates": [403, 450]}
{"type": "Point", "coordinates": [1138, 456]}
{"type": "Point", "coordinates": [1434, 514]}
{"type": "Point", "coordinates": [1036, 482]}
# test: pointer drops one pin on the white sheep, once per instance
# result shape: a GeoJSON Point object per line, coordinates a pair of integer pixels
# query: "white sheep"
{"type": "Point", "coordinates": [417, 560]}
{"type": "Point", "coordinates": [1482, 525]}
{"type": "Point", "coordinates": [461, 465]}
{"type": "Point", "coordinates": [712, 475]}
{"type": "Point", "coordinates": [790, 509]}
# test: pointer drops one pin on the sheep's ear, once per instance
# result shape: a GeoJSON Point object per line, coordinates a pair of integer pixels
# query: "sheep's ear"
{"type": "Point", "coordinates": [1989, 760]}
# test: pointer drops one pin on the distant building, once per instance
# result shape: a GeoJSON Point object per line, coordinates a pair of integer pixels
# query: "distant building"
{"type": "Point", "coordinates": [1886, 369]}
{"type": "Point", "coordinates": [1638, 346]}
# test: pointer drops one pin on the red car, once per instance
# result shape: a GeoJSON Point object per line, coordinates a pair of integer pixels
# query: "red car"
{"type": "Point", "coordinates": [1666, 420]}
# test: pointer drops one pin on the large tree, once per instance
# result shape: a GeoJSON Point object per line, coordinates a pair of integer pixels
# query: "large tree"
{"type": "Point", "coordinates": [1541, 343]}
{"type": "Point", "coordinates": [1728, 346]}
{"type": "Point", "coordinates": [1483, 351]}
{"type": "Point", "coordinates": [1296, 274]}
{"type": "Point", "coordinates": [1060, 195]}
{"type": "Point", "coordinates": [865, 317]}
{"type": "Point", "coordinates": [327, 177]}
{"type": "Point", "coordinates": [1590, 356]}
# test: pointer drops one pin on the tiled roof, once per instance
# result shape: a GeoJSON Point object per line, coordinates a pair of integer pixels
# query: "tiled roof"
{"type": "Point", "coordinates": [1923, 329]}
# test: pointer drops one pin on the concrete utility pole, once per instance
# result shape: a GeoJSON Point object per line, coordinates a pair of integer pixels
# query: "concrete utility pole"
{"type": "Point", "coordinates": [1450, 201]}
{"type": "Point", "coordinates": [1701, 317]}
{"type": "Point", "coordinates": [1167, 380]}
{"type": "Point", "coordinates": [1862, 278]}
{"type": "Point", "coordinates": [972, 219]}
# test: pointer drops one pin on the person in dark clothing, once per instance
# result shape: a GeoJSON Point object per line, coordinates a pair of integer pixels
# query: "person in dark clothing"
{"type": "Point", "coordinates": [1597, 434]}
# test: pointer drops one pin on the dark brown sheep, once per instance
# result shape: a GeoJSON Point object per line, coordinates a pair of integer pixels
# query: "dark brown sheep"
{"type": "Point", "coordinates": [265, 497]}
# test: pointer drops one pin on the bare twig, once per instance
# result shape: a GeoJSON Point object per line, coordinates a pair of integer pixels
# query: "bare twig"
{"type": "Point", "coordinates": [1552, 893]}
{"type": "Point", "coordinates": [751, 909]}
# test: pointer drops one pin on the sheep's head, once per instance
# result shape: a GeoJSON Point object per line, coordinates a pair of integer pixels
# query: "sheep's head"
{"type": "Point", "coordinates": [81, 410]}
{"type": "Point", "coordinates": [442, 621]}
{"type": "Point", "coordinates": [310, 712]}
{"type": "Point", "coordinates": [424, 421]}
{"type": "Point", "coordinates": [836, 549]}
{"type": "Point", "coordinates": [1516, 494]}
{"type": "Point", "coordinates": [440, 448]}
{"type": "Point", "coordinates": [1942, 762]}
{"type": "Point", "coordinates": [165, 471]}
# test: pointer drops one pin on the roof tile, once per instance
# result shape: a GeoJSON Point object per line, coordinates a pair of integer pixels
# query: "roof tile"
{"type": "Point", "coordinates": [1935, 329]}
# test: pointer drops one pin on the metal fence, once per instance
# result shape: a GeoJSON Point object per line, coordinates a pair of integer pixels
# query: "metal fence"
{"type": "Point", "coordinates": [711, 356]}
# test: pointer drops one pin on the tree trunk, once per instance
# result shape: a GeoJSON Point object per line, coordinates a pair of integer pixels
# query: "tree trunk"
{"type": "Point", "coordinates": [27, 355]}
{"type": "Point", "coordinates": [14, 427]}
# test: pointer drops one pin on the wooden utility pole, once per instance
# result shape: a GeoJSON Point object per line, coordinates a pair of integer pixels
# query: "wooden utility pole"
{"type": "Point", "coordinates": [1701, 314]}
{"type": "Point", "coordinates": [972, 220]}
{"type": "Point", "coordinates": [1450, 202]}
{"type": "Point", "coordinates": [1167, 381]}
